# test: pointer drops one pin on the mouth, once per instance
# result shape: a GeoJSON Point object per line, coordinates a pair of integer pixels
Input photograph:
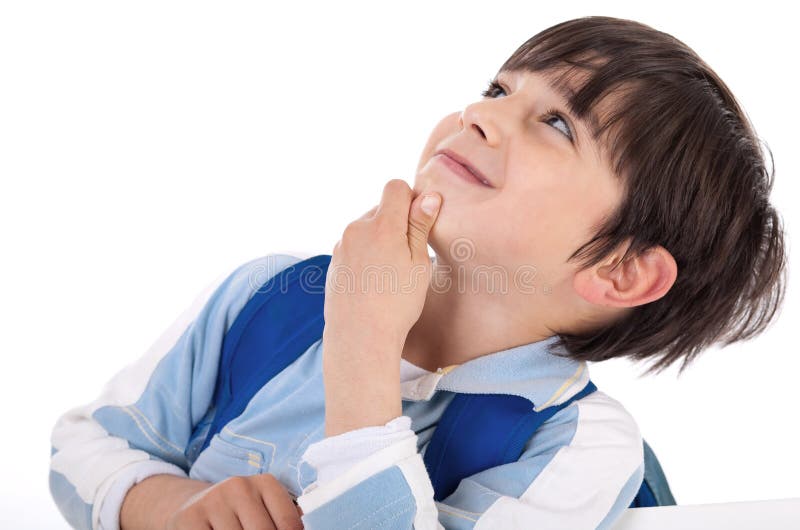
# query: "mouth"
{"type": "Point", "coordinates": [462, 167]}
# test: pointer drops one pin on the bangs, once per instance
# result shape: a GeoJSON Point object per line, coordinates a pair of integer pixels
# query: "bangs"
{"type": "Point", "coordinates": [627, 91]}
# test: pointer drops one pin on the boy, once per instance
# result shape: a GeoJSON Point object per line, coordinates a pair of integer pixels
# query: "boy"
{"type": "Point", "coordinates": [617, 191]}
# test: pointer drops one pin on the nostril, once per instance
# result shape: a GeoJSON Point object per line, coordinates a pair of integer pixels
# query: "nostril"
{"type": "Point", "coordinates": [480, 131]}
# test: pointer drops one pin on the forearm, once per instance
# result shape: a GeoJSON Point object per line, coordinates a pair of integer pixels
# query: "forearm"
{"type": "Point", "coordinates": [389, 486]}
{"type": "Point", "coordinates": [362, 388]}
{"type": "Point", "coordinates": [148, 504]}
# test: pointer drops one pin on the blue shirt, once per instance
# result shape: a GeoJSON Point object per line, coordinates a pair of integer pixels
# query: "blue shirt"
{"type": "Point", "coordinates": [581, 469]}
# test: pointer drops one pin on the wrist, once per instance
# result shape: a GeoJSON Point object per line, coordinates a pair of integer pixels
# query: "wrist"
{"type": "Point", "coordinates": [349, 407]}
{"type": "Point", "coordinates": [362, 380]}
{"type": "Point", "coordinates": [370, 341]}
{"type": "Point", "coordinates": [149, 503]}
{"type": "Point", "coordinates": [360, 393]}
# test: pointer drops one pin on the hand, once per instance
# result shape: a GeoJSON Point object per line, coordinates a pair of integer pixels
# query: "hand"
{"type": "Point", "coordinates": [380, 270]}
{"type": "Point", "coordinates": [257, 502]}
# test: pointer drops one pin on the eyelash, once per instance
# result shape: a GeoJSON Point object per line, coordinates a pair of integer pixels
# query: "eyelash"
{"type": "Point", "coordinates": [549, 113]}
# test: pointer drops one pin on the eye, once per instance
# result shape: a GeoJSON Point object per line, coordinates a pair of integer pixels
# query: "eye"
{"type": "Point", "coordinates": [551, 114]}
{"type": "Point", "coordinates": [491, 90]}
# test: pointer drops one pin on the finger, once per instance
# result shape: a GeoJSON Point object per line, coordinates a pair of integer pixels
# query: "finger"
{"type": "Point", "coordinates": [191, 521]}
{"type": "Point", "coordinates": [224, 519]}
{"type": "Point", "coordinates": [424, 211]}
{"type": "Point", "coordinates": [279, 503]}
{"type": "Point", "coordinates": [253, 513]}
{"type": "Point", "coordinates": [396, 198]}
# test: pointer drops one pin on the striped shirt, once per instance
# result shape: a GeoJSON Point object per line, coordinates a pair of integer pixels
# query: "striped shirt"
{"type": "Point", "coordinates": [581, 469]}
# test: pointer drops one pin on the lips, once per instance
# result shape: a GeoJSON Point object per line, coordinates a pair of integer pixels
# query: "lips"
{"type": "Point", "coordinates": [467, 164]}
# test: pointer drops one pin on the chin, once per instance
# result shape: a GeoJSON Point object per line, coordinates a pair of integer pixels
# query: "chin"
{"type": "Point", "coordinates": [448, 238]}
{"type": "Point", "coordinates": [421, 184]}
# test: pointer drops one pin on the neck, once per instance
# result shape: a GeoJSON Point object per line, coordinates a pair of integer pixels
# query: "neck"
{"type": "Point", "coordinates": [460, 323]}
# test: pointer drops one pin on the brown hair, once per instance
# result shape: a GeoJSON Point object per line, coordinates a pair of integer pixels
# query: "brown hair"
{"type": "Point", "coordinates": [695, 183]}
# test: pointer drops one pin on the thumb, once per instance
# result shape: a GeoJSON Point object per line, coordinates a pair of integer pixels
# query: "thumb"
{"type": "Point", "coordinates": [424, 211]}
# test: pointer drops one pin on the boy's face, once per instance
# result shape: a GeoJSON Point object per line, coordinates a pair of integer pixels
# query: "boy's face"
{"type": "Point", "coordinates": [549, 193]}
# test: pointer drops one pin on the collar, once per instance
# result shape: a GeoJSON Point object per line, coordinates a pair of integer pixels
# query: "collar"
{"type": "Point", "coordinates": [529, 371]}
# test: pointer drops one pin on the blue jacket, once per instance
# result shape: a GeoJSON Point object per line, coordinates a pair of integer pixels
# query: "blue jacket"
{"type": "Point", "coordinates": [581, 469]}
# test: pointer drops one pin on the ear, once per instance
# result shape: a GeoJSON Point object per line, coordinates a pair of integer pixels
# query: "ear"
{"type": "Point", "coordinates": [636, 281]}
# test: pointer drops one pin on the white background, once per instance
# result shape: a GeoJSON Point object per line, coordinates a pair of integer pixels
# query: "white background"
{"type": "Point", "coordinates": [148, 147]}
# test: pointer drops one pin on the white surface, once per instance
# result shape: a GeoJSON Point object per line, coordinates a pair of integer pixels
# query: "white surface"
{"type": "Point", "coordinates": [147, 147]}
{"type": "Point", "coordinates": [777, 514]}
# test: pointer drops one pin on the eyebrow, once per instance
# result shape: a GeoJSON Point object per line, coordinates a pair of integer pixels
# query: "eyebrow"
{"type": "Point", "coordinates": [564, 93]}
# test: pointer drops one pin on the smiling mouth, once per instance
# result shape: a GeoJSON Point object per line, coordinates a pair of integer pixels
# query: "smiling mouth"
{"type": "Point", "coordinates": [461, 171]}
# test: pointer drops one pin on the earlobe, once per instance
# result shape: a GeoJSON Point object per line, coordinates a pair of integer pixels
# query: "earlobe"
{"type": "Point", "coordinates": [636, 281]}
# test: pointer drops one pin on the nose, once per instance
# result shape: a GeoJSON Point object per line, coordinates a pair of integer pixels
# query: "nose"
{"type": "Point", "coordinates": [476, 117]}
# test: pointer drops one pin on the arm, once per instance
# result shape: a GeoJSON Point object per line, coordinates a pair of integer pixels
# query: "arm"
{"type": "Point", "coordinates": [141, 423]}
{"type": "Point", "coordinates": [580, 470]}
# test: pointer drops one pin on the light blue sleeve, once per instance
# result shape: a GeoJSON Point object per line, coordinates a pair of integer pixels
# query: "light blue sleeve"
{"type": "Point", "coordinates": [580, 470]}
{"type": "Point", "coordinates": [142, 421]}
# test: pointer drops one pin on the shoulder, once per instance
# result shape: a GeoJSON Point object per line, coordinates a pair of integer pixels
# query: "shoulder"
{"type": "Point", "coordinates": [581, 468]}
{"type": "Point", "coordinates": [250, 275]}
{"type": "Point", "coordinates": [596, 427]}
{"type": "Point", "coordinates": [600, 406]}
{"type": "Point", "coordinates": [268, 265]}
{"type": "Point", "coordinates": [602, 417]}
{"type": "Point", "coordinates": [227, 294]}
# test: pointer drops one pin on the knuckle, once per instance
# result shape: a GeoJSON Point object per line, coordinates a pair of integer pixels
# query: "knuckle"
{"type": "Point", "coordinates": [349, 231]}
{"type": "Point", "coordinates": [236, 480]}
{"type": "Point", "coordinates": [396, 184]}
{"type": "Point", "coordinates": [184, 519]}
{"type": "Point", "coordinates": [236, 485]}
{"type": "Point", "coordinates": [292, 522]}
{"type": "Point", "coordinates": [415, 230]}
{"type": "Point", "coordinates": [267, 477]}
{"type": "Point", "coordinates": [275, 494]}
{"type": "Point", "coordinates": [382, 223]}
{"type": "Point", "coordinates": [355, 228]}
{"type": "Point", "coordinates": [266, 482]}
{"type": "Point", "coordinates": [212, 496]}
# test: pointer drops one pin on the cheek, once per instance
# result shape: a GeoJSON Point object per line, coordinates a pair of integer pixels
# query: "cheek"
{"type": "Point", "coordinates": [537, 225]}
{"type": "Point", "coordinates": [544, 217]}
{"type": "Point", "coordinates": [446, 127]}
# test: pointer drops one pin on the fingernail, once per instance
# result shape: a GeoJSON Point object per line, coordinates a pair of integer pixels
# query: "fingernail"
{"type": "Point", "coordinates": [429, 204]}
